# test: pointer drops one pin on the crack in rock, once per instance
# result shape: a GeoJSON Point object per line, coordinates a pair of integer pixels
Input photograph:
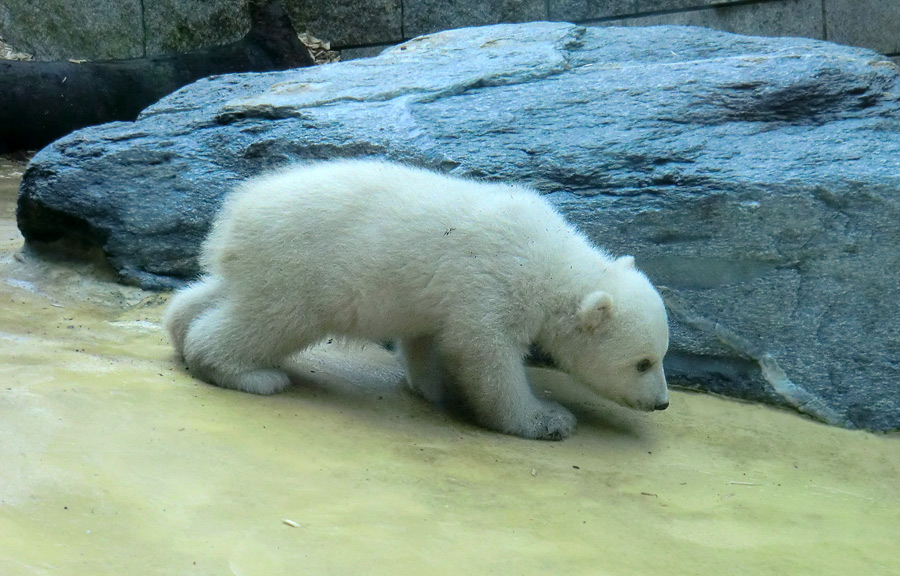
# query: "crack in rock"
{"type": "Point", "coordinates": [794, 395]}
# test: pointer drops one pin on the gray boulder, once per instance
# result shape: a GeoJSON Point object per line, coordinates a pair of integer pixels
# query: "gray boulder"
{"type": "Point", "coordinates": [755, 179]}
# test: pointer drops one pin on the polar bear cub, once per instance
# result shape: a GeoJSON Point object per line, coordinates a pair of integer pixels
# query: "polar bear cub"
{"type": "Point", "coordinates": [465, 276]}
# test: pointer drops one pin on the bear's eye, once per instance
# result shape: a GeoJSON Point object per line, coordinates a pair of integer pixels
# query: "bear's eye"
{"type": "Point", "coordinates": [644, 365]}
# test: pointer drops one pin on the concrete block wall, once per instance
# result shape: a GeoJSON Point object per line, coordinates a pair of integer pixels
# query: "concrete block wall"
{"type": "Point", "coordinates": [119, 29]}
{"type": "Point", "coordinates": [106, 29]}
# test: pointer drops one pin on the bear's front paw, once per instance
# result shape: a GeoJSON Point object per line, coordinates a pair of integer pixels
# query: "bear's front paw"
{"type": "Point", "coordinates": [551, 422]}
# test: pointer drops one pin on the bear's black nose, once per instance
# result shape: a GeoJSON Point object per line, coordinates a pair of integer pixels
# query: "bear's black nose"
{"type": "Point", "coordinates": [662, 406]}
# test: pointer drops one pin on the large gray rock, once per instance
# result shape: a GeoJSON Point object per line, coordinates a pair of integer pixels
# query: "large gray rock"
{"type": "Point", "coordinates": [756, 180]}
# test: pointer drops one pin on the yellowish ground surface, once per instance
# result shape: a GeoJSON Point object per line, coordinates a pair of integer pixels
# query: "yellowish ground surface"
{"type": "Point", "coordinates": [114, 461]}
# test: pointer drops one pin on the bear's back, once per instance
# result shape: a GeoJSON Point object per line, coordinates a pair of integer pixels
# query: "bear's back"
{"type": "Point", "coordinates": [350, 195]}
{"type": "Point", "coordinates": [349, 212]}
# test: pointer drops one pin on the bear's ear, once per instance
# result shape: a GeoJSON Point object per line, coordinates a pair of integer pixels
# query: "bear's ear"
{"type": "Point", "coordinates": [625, 261]}
{"type": "Point", "coordinates": [595, 309]}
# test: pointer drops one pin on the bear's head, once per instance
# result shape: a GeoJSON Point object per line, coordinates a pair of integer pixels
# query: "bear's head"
{"type": "Point", "coordinates": [613, 339]}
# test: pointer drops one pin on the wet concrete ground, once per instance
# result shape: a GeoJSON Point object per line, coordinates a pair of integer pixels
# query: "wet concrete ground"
{"type": "Point", "coordinates": [113, 460]}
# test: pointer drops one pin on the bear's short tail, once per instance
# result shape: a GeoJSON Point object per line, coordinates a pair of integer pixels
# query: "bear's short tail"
{"type": "Point", "coordinates": [187, 305]}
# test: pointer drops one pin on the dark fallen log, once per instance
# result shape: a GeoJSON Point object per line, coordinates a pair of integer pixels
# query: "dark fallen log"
{"type": "Point", "coordinates": [43, 101]}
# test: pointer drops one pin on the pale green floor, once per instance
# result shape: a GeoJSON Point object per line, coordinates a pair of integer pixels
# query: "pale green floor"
{"type": "Point", "coordinates": [114, 461]}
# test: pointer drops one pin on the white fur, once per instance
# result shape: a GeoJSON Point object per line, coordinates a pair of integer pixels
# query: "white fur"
{"type": "Point", "coordinates": [466, 275]}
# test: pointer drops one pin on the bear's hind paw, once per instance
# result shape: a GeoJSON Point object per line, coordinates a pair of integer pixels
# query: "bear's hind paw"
{"type": "Point", "coordinates": [263, 381]}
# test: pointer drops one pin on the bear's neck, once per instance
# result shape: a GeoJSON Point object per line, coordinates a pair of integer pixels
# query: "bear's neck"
{"type": "Point", "coordinates": [561, 285]}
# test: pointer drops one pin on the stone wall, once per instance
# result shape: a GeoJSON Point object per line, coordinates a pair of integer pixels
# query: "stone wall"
{"type": "Point", "coordinates": [102, 29]}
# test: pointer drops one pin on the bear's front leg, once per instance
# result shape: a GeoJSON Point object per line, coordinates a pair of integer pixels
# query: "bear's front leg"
{"type": "Point", "coordinates": [492, 381]}
{"type": "Point", "coordinates": [425, 370]}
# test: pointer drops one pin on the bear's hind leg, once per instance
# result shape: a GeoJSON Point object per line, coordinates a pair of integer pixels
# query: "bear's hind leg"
{"type": "Point", "coordinates": [223, 349]}
{"type": "Point", "coordinates": [492, 380]}
{"type": "Point", "coordinates": [186, 306]}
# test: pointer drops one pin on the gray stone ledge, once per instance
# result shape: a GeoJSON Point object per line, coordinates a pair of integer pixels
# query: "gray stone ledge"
{"type": "Point", "coordinates": [754, 179]}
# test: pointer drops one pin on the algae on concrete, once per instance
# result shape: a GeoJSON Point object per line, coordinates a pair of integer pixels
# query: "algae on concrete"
{"type": "Point", "coordinates": [116, 461]}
